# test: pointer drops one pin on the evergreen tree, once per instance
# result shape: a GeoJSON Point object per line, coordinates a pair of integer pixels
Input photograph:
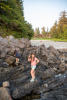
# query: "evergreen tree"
{"type": "Point", "coordinates": [59, 30]}
{"type": "Point", "coordinates": [53, 30]}
{"type": "Point", "coordinates": [12, 18]}
{"type": "Point", "coordinates": [62, 24]}
{"type": "Point", "coordinates": [37, 31]}
{"type": "Point", "coordinates": [43, 31]}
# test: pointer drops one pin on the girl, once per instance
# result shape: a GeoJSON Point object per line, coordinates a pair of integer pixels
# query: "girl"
{"type": "Point", "coordinates": [34, 61]}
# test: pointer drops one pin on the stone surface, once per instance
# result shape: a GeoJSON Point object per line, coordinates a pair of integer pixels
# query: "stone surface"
{"type": "Point", "coordinates": [51, 72]}
{"type": "Point", "coordinates": [4, 94]}
{"type": "Point", "coordinates": [10, 60]}
{"type": "Point", "coordinates": [6, 84]}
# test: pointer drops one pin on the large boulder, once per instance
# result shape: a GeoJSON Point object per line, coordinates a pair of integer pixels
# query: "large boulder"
{"type": "Point", "coordinates": [10, 60]}
{"type": "Point", "coordinates": [21, 91]}
{"type": "Point", "coordinates": [4, 94]}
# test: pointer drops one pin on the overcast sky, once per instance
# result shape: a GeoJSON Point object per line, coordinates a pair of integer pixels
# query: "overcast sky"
{"type": "Point", "coordinates": [43, 12]}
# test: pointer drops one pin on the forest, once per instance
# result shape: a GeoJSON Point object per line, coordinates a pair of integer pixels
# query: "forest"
{"type": "Point", "coordinates": [12, 21]}
{"type": "Point", "coordinates": [58, 30]}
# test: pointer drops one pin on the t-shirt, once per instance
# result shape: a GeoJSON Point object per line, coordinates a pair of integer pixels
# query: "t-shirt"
{"type": "Point", "coordinates": [33, 63]}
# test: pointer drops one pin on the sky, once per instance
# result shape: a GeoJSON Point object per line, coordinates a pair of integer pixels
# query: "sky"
{"type": "Point", "coordinates": [43, 13]}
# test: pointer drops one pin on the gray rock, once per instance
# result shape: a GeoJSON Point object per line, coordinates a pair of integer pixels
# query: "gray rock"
{"type": "Point", "coordinates": [4, 94]}
{"type": "Point", "coordinates": [10, 60]}
{"type": "Point", "coordinates": [52, 62]}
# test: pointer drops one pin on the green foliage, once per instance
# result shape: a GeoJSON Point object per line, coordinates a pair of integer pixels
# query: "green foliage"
{"type": "Point", "coordinates": [37, 31]}
{"type": "Point", "coordinates": [52, 39]}
{"type": "Point", "coordinates": [59, 30]}
{"type": "Point", "coordinates": [43, 31]}
{"type": "Point", "coordinates": [65, 32]}
{"type": "Point", "coordinates": [12, 17]}
{"type": "Point", "coordinates": [53, 31]}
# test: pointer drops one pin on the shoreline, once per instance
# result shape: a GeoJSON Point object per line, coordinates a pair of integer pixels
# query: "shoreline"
{"type": "Point", "coordinates": [47, 43]}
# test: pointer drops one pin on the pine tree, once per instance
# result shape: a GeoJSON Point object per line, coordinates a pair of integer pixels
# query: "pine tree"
{"type": "Point", "coordinates": [12, 18]}
{"type": "Point", "coordinates": [53, 30]}
{"type": "Point", "coordinates": [59, 30]}
{"type": "Point", "coordinates": [37, 31]}
{"type": "Point", "coordinates": [43, 31]}
{"type": "Point", "coordinates": [62, 24]}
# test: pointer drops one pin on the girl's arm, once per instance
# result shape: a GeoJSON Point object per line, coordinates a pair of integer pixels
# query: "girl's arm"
{"type": "Point", "coordinates": [37, 60]}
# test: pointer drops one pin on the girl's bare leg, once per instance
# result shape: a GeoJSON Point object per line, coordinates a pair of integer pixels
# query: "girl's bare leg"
{"type": "Point", "coordinates": [33, 73]}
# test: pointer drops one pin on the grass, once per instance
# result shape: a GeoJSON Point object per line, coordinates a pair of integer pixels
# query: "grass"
{"type": "Point", "coordinates": [52, 39]}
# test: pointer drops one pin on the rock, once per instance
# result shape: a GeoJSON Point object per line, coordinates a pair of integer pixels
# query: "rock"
{"type": "Point", "coordinates": [58, 90]}
{"type": "Point", "coordinates": [53, 50]}
{"type": "Point", "coordinates": [55, 69]}
{"type": "Point", "coordinates": [10, 38]}
{"type": "Point", "coordinates": [4, 94]}
{"type": "Point", "coordinates": [10, 60]}
{"type": "Point", "coordinates": [6, 84]}
{"type": "Point", "coordinates": [45, 85]}
{"type": "Point", "coordinates": [23, 90]}
{"type": "Point", "coordinates": [62, 67]}
{"type": "Point", "coordinates": [46, 74]}
{"type": "Point", "coordinates": [26, 42]}
{"type": "Point", "coordinates": [52, 63]}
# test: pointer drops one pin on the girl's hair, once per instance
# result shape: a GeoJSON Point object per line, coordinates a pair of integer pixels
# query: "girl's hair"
{"type": "Point", "coordinates": [32, 58]}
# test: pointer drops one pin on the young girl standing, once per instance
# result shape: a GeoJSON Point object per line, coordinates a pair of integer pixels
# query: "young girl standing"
{"type": "Point", "coordinates": [34, 61]}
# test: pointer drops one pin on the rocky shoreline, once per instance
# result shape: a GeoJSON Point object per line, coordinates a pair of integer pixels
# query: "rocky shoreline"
{"type": "Point", "coordinates": [47, 43]}
{"type": "Point", "coordinates": [51, 72]}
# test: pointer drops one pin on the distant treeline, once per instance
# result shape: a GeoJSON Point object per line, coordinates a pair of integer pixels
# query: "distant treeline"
{"type": "Point", "coordinates": [12, 21]}
{"type": "Point", "coordinates": [58, 30]}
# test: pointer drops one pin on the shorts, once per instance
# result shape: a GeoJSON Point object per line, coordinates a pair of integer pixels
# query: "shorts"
{"type": "Point", "coordinates": [33, 67]}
